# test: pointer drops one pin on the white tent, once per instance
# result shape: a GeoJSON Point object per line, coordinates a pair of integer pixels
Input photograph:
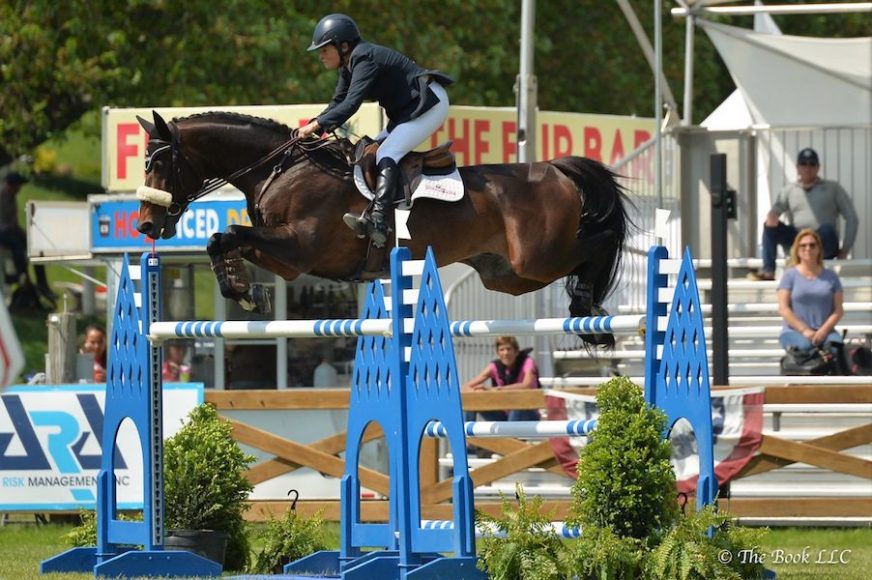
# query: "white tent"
{"type": "Point", "coordinates": [821, 88]}
{"type": "Point", "coordinates": [792, 80]}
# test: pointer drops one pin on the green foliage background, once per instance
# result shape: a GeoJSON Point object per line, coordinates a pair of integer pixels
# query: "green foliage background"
{"type": "Point", "coordinates": [59, 60]}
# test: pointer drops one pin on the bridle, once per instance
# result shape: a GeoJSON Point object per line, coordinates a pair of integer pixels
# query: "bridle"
{"type": "Point", "coordinates": [177, 158]}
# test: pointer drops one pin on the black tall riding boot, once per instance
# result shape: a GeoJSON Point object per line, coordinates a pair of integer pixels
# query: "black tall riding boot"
{"type": "Point", "coordinates": [374, 224]}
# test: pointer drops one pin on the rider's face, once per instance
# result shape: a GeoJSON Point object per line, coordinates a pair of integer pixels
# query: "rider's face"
{"type": "Point", "coordinates": [329, 56]}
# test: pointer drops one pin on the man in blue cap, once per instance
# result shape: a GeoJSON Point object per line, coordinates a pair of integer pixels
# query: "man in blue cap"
{"type": "Point", "coordinates": [809, 202]}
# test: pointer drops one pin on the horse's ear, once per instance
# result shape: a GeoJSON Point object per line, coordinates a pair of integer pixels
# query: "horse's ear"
{"type": "Point", "coordinates": [163, 131]}
{"type": "Point", "coordinates": [149, 127]}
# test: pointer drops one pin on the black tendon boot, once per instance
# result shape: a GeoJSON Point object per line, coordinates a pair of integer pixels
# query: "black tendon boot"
{"type": "Point", "coordinates": [388, 177]}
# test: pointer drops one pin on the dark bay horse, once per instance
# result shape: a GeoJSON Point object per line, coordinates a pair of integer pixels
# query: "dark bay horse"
{"type": "Point", "coordinates": [521, 226]}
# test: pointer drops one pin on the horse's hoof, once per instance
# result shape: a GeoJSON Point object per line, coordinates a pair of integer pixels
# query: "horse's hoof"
{"type": "Point", "coordinates": [261, 298]}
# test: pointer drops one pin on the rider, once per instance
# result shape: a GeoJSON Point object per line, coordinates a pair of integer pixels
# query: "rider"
{"type": "Point", "coordinates": [413, 98]}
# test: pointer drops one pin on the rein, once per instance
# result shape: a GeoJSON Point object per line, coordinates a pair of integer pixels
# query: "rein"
{"type": "Point", "coordinates": [165, 199]}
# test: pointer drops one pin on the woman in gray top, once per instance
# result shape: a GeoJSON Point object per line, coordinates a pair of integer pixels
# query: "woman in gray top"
{"type": "Point", "coordinates": [810, 297]}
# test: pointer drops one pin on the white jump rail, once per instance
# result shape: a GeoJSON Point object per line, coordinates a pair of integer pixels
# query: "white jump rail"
{"type": "Point", "coordinates": [559, 528]}
{"type": "Point", "coordinates": [526, 429]}
{"type": "Point", "coordinates": [382, 327]}
{"type": "Point", "coordinates": [735, 381]}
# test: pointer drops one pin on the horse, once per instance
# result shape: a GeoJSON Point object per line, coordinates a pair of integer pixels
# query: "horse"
{"type": "Point", "coordinates": [521, 226]}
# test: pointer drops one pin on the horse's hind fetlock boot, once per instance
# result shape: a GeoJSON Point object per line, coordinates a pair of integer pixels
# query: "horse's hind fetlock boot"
{"type": "Point", "coordinates": [388, 177]}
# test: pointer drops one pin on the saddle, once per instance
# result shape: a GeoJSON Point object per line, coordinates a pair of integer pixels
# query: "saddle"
{"type": "Point", "coordinates": [437, 161]}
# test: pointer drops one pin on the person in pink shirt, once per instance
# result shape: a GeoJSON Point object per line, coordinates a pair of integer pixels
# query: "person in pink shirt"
{"type": "Point", "coordinates": [512, 370]}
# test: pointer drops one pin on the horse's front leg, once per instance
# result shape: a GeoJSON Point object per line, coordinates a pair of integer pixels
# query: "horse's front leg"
{"type": "Point", "coordinates": [268, 248]}
{"type": "Point", "coordinates": [231, 273]}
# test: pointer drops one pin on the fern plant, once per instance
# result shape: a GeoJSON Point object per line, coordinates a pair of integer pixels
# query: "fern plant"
{"type": "Point", "coordinates": [600, 553]}
{"type": "Point", "coordinates": [522, 545]}
{"type": "Point", "coordinates": [695, 549]}
{"type": "Point", "coordinates": [288, 539]}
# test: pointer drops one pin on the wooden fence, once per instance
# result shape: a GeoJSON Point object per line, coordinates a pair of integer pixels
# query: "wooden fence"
{"type": "Point", "coordinates": [517, 455]}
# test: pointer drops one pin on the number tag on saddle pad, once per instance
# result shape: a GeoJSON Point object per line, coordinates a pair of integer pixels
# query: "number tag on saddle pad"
{"type": "Point", "coordinates": [441, 187]}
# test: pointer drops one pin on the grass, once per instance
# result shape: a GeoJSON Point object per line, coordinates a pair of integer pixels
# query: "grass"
{"type": "Point", "coordinates": [819, 544]}
{"type": "Point", "coordinates": [23, 547]}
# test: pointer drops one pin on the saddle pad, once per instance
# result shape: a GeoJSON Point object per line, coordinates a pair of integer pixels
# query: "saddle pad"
{"type": "Point", "coordinates": [442, 187]}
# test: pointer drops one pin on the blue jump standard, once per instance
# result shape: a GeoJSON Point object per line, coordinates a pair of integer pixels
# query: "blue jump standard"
{"type": "Point", "coordinates": [404, 397]}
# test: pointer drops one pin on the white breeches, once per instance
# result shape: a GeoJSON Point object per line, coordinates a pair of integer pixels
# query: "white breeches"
{"type": "Point", "coordinates": [406, 136]}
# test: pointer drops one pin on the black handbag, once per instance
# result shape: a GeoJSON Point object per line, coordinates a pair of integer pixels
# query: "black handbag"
{"type": "Point", "coordinates": [799, 362]}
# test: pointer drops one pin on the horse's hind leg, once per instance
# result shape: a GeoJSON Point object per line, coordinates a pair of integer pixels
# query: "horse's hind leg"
{"type": "Point", "coordinates": [585, 282]}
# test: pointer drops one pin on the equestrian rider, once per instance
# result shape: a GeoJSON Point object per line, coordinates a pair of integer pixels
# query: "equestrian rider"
{"type": "Point", "coordinates": [414, 100]}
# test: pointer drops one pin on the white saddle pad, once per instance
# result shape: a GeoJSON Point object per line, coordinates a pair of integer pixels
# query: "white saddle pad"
{"type": "Point", "coordinates": [442, 187]}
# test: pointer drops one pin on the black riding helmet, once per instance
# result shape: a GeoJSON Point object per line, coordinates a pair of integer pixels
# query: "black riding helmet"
{"type": "Point", "coordinates": [334, 29]}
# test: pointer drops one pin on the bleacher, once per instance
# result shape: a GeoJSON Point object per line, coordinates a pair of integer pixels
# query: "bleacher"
{"type": "Point", "coordinates": [754, 324]}
{"type": "Point", "coordinates": [754, 355]}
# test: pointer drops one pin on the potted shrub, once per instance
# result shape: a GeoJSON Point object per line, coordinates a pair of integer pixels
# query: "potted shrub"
{"type": "Point", "coordinates": [205, 489]}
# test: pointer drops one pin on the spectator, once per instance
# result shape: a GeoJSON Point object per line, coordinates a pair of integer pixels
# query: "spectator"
{"type": "Point", "coordinates": [513, 369]}
{"type": "Point", "coordinates": [813, 203]}
{"type": "Point", "coordinates": [174, 367]}
{"type": "Point", "coordinates": [810, 299]}
{"type": "Point", "coordinates": [95, 343]}
{"type": "Point", "coordinates": [325, 375]}
{"type": "Point", "coordinates": [13, 236]}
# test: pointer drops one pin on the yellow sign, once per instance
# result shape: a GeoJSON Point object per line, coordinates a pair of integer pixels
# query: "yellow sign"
{"type": "Point", "coordinates": [124, 140]}
{"type": "Point", "coordinates": [487, 135]}
{"type": "Point", "coordinates": [480, 135]}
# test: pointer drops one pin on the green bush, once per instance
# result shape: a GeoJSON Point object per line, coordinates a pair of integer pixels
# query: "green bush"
{"type": "Point", "coordinates": [85, 534]}
{"type": "Point", "coordinates": [625, 481]}
{"type": "Point", "coordinates": [204, 485]}
{"type": "Point", "coordinates": [286, 540]}
{"type": "Point", "coordinates": [521, 545]}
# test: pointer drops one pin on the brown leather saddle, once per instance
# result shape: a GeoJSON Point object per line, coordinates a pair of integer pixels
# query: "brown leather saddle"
{"type": "Point", "coordinates": [415, 164]}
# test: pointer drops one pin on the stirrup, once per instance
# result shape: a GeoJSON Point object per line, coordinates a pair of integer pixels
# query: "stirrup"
{"type": "Point", "coordinates": [355, 223]}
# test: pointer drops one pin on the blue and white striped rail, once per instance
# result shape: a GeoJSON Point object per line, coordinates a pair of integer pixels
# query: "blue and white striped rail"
{"type": "Point", "coordinates": [529, 429]}
{"type": "Point", "coordinates": [627, 323]}
{"type": "Point", "coordinates": [559, 528]}
{"type": "Point", "coordinates": [269, 328]}
{"type": "Point", "coordinates": [383, 327]}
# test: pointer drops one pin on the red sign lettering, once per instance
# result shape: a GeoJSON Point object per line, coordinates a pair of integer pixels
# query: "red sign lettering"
{"type": "Point", "coordinates": [562, 141]}
{"type": "Point", "coordinates": [617, 148]}
{"type": "Point", "coordinates": [482, 128]}
{"type": "Point", "coordinates": [461, 141]}
{"type": "Point", "coordinates": [125, 224]}
{"type": "Point", "coordinates": [125, 149]}
{"type": "Point", "coordinates": [593, 142]}
{"type": "Point", "coordinates": [509, 139]}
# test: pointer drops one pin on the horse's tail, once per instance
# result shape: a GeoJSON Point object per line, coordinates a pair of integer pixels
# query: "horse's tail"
{"type": "Point", "coordinates": [604, 224]}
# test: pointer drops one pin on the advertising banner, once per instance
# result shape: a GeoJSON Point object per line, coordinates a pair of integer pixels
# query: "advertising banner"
{"type": "Point", "coordinates": [487, 135]}
{"type": "Point", "coordinates": [51, 448]}
{"type": "Point", "coordinates": [113, 224]}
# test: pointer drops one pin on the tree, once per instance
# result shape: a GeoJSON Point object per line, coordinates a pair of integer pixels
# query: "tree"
{"type": "Point", "coordinates": [61, 59]}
